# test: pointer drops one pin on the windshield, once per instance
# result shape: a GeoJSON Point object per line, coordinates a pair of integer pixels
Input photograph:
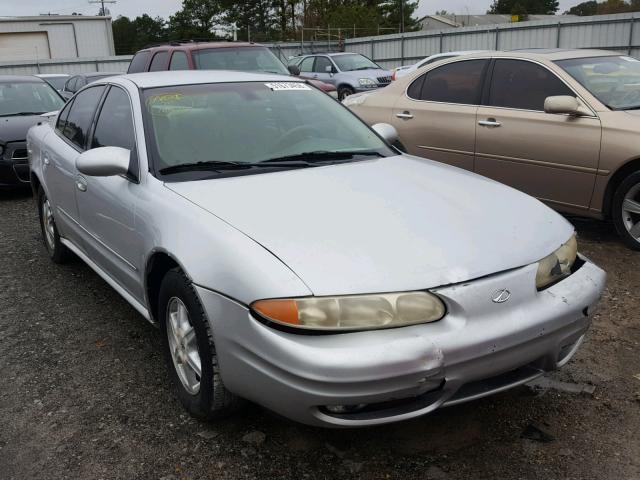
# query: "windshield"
{"type": "Point", "coordinates": [354, 61]}
{"type": "Point", "coordinates": [242, 124]}
{"type": "Point", "coordinates": [615, 81]}
{"type": "Point", "coordinates": [246, 59]}
{"type": "Point", "coordinates": [28, 98]}
{"type": "Point", "coordinates": [56, 82]}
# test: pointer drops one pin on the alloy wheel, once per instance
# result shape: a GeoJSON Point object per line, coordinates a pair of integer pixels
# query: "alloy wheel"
{"type": "Point", "coordinates": [631, 212]}
{"type": "Point", "coordinates": [183, 346]}
{"type": "Point", "coordinates": [49, 224]}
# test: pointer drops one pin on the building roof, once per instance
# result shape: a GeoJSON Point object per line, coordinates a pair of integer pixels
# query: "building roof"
{"type": "Point", "coordinates": [53, 18]}
{"type": "Point", "coordinates": [464, 20]}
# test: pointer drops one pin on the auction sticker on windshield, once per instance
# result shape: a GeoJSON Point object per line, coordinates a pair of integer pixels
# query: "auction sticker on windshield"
{"type": "Point", "coordinates": [281, 86]}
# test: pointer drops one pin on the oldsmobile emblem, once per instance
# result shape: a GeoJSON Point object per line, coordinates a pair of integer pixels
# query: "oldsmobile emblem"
{"type": "Point", "coordinates": [501, 296]}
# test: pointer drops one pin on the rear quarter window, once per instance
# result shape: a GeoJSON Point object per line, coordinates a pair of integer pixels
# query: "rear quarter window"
{"type": "Point", "coordinates": [139, 62]}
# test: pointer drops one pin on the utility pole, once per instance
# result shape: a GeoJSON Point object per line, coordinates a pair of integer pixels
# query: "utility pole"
{"type": "Point", "coordinates": [401, 16]}
{"type": "Point", "coordinates": [103, 11]}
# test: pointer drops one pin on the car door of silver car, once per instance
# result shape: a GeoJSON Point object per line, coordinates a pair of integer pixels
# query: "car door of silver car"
{"type": "Point", "coordinates": [323, 70]}
{"type": "Point", "coordinates": [107, 205]}
{"type": "Point", "coordinates": [59, 159]}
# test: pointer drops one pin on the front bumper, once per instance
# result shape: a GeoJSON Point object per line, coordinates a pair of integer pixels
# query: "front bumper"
{"type": "Point", "coordinates": [14, 166]}
{"type": "Point", "coordinates": [479, 348]}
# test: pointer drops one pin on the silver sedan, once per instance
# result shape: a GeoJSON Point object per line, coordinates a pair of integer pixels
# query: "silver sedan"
{"type": "Point", "coordinates": [293, 258]}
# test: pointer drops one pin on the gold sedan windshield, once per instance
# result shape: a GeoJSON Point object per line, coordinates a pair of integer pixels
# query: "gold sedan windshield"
{"type": "Point", "coordinates": [615, 81]}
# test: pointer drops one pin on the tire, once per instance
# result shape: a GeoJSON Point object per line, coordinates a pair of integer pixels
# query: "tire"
{"type": "Point", "coordinates": [625, 210]}
{"type": "Point", "coordinates": [56, 250]}
{"type": "Point", "coordinates": [210, 400]}
{"type": "Point", "coordinates": [344, 91]}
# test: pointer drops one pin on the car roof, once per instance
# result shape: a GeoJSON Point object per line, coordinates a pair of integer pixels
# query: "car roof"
{"type": "Point", "coordinates": [194, 77]}
{"type": "Point", "coordinates": [99, 74]}
{"type": "Point", "coordinates": [195, 45]}
{"type": "Point", "coordinates": [20, 79]}
{"type": "Point", "coordinates": [51, 75]}
{"type": "Point", "coordinates": [551, 54]}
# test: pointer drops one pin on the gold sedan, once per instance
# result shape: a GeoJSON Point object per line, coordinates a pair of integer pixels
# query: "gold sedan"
{"type": "Point", "coordinates": [561, 125]}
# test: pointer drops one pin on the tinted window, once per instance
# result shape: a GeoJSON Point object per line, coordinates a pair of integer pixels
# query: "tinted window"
{"type": "Point", "coordinates": [523, 85]}
{"type": "Point", "coordinates": [179, 61]}
{"type": "Point", "coordinates": [321, 65]}
{"type": "Point", "coordinates": [307, 64]}
{"type": "Point", "coordinates": [81, 115]}
{"type": "Point", "coordinates": [415, 89]}
{"type": "Point", "coordinates": [62, 118]}
{"type": "Point", "coordinates": [459, 82]}
{"type": "Point", "coordinates": [159, 62]}
{"type": "Point", "coordinates": [114, 127]}
{"type": "Point", "coordinates": [139, 62]}
{"type": "Point", "coordinates": [245, 59]}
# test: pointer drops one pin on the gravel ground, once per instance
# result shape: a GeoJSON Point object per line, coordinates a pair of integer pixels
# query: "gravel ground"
{"type": "Point", "coordinates": [84, 394]}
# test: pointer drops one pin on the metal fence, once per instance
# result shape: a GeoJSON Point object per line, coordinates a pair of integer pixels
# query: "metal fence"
{"type": "Point", "coordinates": [72, 66]}
{"type": "Point", "coordinates": [620, 32]}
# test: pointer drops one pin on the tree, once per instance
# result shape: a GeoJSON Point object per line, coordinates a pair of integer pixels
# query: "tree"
{"type": "Point", "coordinates": [197, 19]}
{"type": "Point", "coordinates": [592, 7]}
{"type": "Point", "coordinates": [524, 7]}
{"type": "Point", "coordinates": [399, 14]}
{"type": "Point", "coordinates": [584, 8]}
{"type": "Point", "coordinates": [129, 36]}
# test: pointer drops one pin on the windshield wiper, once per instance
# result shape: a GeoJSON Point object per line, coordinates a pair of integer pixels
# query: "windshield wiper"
{"type": "Point", "coordinates": [323, 156]}
{"type": "Point", "coordinates": [632, 107]}
{"type": "Point", "coordinates": [18, 114]}
{"type": "Point", "coordinates": [208, 165]}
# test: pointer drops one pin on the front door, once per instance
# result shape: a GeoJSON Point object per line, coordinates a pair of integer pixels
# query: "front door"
{"type": "Point", "coordinates": [323, 70]}
{"type": "Point", "coordinates": [436, 117]}
{"type": "Point", "coordinates": [107, 204]}
{"type": "Point", "coordinates": [552, 157]}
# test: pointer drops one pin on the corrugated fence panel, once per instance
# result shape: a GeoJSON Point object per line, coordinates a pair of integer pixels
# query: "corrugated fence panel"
{"type": "Point", "coordinates": [476, 40]}
{"type": "Point", "coordinates": [73, 66]}
{"type": "Point", "coordinates": [417, 48]}
{"type": "Point", "coordinates": [542, 37]}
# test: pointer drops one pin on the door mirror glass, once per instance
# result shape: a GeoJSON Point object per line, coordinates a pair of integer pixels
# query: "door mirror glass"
{"type": "Point", "coordinates": [294, 70]}
{"type": "Point", "coordinates": [564, 104]}
{"type": "Point", "coordinates": [386, 131]}
{"type": "Point", "coordinates": [104, 162]}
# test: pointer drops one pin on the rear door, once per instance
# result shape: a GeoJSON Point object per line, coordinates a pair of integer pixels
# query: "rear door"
{"type": "Point", "coordinates": [59, 156]}
{"type": "Point", "coordinates": [436, 116]}
{"type": "Point", "coordinates": [552, 157]}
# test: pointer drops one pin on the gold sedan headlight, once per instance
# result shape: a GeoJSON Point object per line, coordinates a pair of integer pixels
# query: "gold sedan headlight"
{"type": "Point", "coordinates": [557, 265]}
{"type": "Point", "coordinates": [353, 312]}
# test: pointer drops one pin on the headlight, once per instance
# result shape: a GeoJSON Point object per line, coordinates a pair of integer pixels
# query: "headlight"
{"type": "Point", "coordinates": [557, 265]}
{"type": "Point", "coordinates": [353, 312]}
{"type": "Point", "coordinates": [367, 82]}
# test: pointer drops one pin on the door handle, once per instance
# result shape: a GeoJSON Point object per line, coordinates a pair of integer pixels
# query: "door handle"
{"type": "Point", "coordinates": [404, 115]}
{"type": "Point", "coordinates": [81, 184]}
{"type": "Point", "coordinates": [489, 122]}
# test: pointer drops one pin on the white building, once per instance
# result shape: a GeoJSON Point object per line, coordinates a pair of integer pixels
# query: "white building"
{"type": "Point", "coordinates": [55, 37]}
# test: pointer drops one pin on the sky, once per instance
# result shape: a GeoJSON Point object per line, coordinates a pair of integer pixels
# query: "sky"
{"type": "Point", "coordinates": [165, 8]}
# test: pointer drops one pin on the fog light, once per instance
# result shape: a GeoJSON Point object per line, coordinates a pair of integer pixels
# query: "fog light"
{"type": "Point", "coordinates": [345, 408]}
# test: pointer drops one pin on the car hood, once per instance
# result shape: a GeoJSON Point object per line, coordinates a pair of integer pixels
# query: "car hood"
{"type": "Point", "coordinates": [392, 224]}
{"type": "Point", "coordinates": [14, 129]}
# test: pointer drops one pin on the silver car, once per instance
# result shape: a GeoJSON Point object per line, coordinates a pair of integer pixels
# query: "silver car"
{"type": "Point", "coordinates": [293, 258]}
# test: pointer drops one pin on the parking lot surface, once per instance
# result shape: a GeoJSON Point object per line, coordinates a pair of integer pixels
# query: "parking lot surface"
{"type": "Point", "coordinates": [84, 393]}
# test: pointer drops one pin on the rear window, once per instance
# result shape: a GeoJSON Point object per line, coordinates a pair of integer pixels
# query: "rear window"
{"type": "Point", "coordinates": [459, 82]}
{"type": "Point", "coordinates": [139, 62]}
{"type": "Point", "coordinates": [246, 59]}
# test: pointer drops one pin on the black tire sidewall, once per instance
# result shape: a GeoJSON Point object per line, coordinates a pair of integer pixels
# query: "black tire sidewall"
{"type": "Point", "coordinates": [175, 284]}
{"type": "Point", "coordinates": [616, 209]}
{"type": "Point", "coordinates": [343, 90]}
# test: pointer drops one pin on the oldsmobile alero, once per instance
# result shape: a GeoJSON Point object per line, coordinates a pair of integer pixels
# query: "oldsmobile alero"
{"type": "Point", "coordinates": [293, 258]}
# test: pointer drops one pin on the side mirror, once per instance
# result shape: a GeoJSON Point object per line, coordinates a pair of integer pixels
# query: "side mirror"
{"type": "Point", "coordinates": [565, 104]}
{"type": "Point", "coordinates": [294, 70]}
{"type": "Point", "coordinates": [104, 162]}
{"type": "Point", "coordinates": [386, 131]}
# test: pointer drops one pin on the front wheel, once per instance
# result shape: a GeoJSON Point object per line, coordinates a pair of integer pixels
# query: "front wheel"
{"type": "Point", "coordinates": [344, 91]}
{"type": "Point", "coordinates": [189, 350]}
{"type": "Point", "coordinates": [626, 210]}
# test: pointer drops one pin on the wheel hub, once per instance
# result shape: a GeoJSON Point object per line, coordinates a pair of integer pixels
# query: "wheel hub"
{"type": "Point", "coordinates": [631, 212]}
{"type": "Point", "coordinates": [183, 346]}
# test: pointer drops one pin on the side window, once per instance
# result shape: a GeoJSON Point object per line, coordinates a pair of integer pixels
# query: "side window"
{"type": "Point", "coordinates": [459, 82]}
{"type": "Point", "coordinates": [114, 127]}
{"type": "Point", "coordinates": [81, 115]}
{"type": "Point", "coordinates": [307, 64]}
{"type": "Point", "coordinates": [321, 65]}
{"type": "Point", "coordinates": [523, 85]}
{"type": "Point", "coordinates": [415, 89]}
{"type": "Point", "coordinates": [62, 118]}
{"type": "Point", "coordinates": [139, 62]}
{"type": "Point", "coordinates": [158, 62]}
{"type": "Point", "coordinates": [179, 61]}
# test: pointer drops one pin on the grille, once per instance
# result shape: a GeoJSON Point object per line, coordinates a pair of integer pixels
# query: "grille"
{"type": "Point", "coordinates": [384, 80]}
{"type": "Point", "coordinates": [20, 154]}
